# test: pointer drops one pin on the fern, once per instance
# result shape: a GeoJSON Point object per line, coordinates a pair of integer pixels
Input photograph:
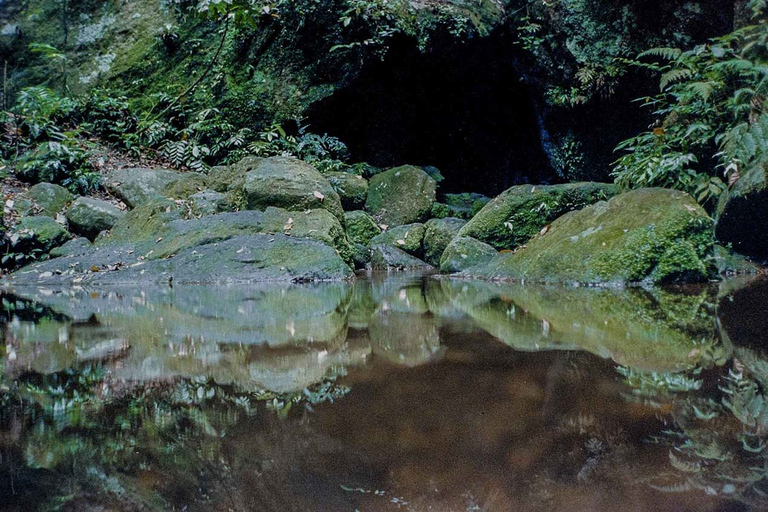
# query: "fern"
{"type": "Point", "coordinates": [669, 54]}
{"type": "Point", "coordinates": [673, 76]}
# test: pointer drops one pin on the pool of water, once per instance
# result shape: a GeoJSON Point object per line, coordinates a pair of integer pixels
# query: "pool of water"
{"type": "Point", "coordinates": [393, 392]}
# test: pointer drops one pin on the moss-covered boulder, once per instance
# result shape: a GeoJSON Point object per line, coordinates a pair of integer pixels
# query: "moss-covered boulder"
{"type": "Point", "coordinates": [209, 202]}
{"type": "Point", "coordinates": [408, 238]}
{"type": "Point", "coordinates": [388, 257]}
{"type": "Point", "coordinates": [465, 205]}
{"type": "Point", "coordinates": [48, 198]}
{"type": "Point", "coordinates": [38, 233]}
{"type": "Point", "coordinates": [189, 183]}
{"type": "Point", "coordinates": [742, 214]}
{"type": "Point", "coordinates": [647, 235]}
{"type": "Point", "coordinates": [135, 186]}
{"type": "Point", "coordinates": [88, 217]}
{"type": "Point", "coordinates": [464, 252]}
{"type": "Point", "coordinates": [352, 189]}
{"type": "Point", "coordinates": [360, 226]}
{"type": "Point", "coordinates": [402, 195]}
{"type": "Point", "coordinates": [291, 184]}
{"type": "Point", "coordinates": [518, 213]}
{"type": "Point", "coordinates": [438, 233]}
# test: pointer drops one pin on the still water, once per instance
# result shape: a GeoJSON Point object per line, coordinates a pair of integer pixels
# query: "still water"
{"type": "Point", "coordinates": [398, 392]}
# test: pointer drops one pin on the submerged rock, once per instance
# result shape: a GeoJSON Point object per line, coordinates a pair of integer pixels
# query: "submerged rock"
{"type": "Point", "coordinates": [89, 217]}
{"type": "Point", "coordinates": [464, 252]}
{"type": "Point", "coordinates": [519, 213]}
{"type": "Point", "coordinates": [408, 238]}
{"type": "Point", "coordinates": [437, 235]}
{"type": "Point", "coordinates": [136, 186]}
{"type": "Point", "coordinates": [402, 195]}
{"type": "Point", "coordinates": [652, 235]}
{"type": "Point", "coordinates": [742, 214]}
{"type": "Point", "coordinates": [352, 189]}
{"type": "Point", "coordinates": [291, 184]}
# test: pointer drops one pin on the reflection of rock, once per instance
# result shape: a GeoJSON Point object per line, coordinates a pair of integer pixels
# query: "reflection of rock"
{"type": "Point", "coordinates": [404, 338]}
{"type": "Point", "coordinates": [743, 312]}
{"type": "Point", "coordinates": [653, 331]}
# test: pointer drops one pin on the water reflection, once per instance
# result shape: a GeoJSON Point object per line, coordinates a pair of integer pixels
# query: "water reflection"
{"type": "Point", "coordinates": [391, 393]}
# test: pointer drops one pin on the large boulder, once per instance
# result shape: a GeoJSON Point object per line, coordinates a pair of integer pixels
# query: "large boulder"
{"type": "Point", "coordinates": [135, 186]}
{"type": "Point", "coordinates": [387, 257]}
{"type": "Point", "coordinates": [518, 213]}
{"type": "Point", "coordinates": [648, 235]}
{"type": "Point", "coordinates": [742, 214]}
{"type": "Point", "coordinates": [437, 235]}
{"type": "Point", "coordinates": [464, 252]}
{"type": "Point", "coordinates": [402, 195]}
{"type": "Point", "coordinates": [408, 238]}
{"type": "Point", "coordinates": [291, 184]}
{"type": "Point", "coordinates": [209, 202]}
{"type": "Point", "coordinates": [352, 189]}
{"type": "Point", "coordinates": [48, 198]}
{"type": "Point", "coordinates": [38, 233]}
{"type": "Point", "coordinates": [89, 217]}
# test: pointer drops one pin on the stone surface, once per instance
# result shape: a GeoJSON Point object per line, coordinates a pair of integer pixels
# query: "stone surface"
{"type": "Point", "coordinates": [49, 198]}
{"type": "Point", "coordinates": [466, 205]}
{"type": "Point", "coordinates": [408, 238]}
{"type": "Point", "coordinates": [519, 213]}
{"type": "Point", "coordinates": [402, 195]}
{"type": "Point", "coordinates": [135, 186]}
{"type": "Point", "coordinates": [464, 252]}
{"type": "Point", "coordinates": [291, 184]}
{"type": "Point", "coordinates": [742, 214]}
{"type": "Point", "coordinates": [38, 232]}
{"type": "Point", "coordinates": [360, 226]}
{"type": "Point", "coordinates": [387, 257]}
{"type": "Point", "coordinates": [89, 217]}
{"type": "Point", "coordinates": [352, 189]}
{"type": "Point", "coordinates": [437, 235]}
{"type": "Point", "coordinates": [647, 235]}
{"type": "Point", "coordinates": [209, 202]}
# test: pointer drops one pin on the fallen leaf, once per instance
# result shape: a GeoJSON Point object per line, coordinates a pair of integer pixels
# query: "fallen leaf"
{"type": "Point", "coordinates": [400, 242]}
{"type": "Point", "coordinates": [94, 268]}
{"type": "Point", "coordinates": [544, 230]}
{"type": "Point", "coordinates": [319, 195]}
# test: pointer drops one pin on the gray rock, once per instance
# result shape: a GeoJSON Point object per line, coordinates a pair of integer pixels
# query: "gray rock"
{"type": "Point", "coordinates": [352, 189]}
{"type": "Point", "coordinates": [391, 258]}
{"type": "Point", "coordinates": [464, 252]}
{"type": "Point", "coordinates": [408, 238]}
{"type": "Point", "coordinates": [402, 195]}
{"type": "Point", "coordinates": [209, 202]}
{"type": "Point", "coordinates": [49, 198]}
{"type": "Point", "coordinates": [88, 217]}
{"type": "Point", "coordinates": [136, 186]}
{"type": "Point", "coordinates": [37, 233]}
{"type": "Point", "coordinates": [437, 235]}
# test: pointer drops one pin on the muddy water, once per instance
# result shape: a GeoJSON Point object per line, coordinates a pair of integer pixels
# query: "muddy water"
{"type": "Point", "coordinates": [390, 393]}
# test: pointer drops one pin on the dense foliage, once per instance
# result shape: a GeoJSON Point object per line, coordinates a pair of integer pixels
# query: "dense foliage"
{"type": "Point", "coordinates": [710, 121]}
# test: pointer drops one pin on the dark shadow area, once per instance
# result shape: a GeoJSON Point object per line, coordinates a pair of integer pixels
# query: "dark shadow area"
{"type": "Point", "coordinates": [462, 109]}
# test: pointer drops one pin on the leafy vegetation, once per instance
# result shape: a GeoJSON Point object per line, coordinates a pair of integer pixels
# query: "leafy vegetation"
{"type": "Point", "coordinates": [710, 121]}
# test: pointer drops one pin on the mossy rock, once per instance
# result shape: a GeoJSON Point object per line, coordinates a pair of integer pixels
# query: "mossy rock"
{"type": "Point", "coordinates": [38, 232]}
{"type": "Point", "coordinates": [729, 263]}
{"type": "Point", "coordinates": [291, 184]}
{"type": "Point", "coordinates": [519, 213]}
{"type": "Point", "coordinates": [189, 183]}
{"type": "Point", "coordinates": [88, 217]}
{"type": "Point", "coordinates": [742, 214]}
{"type": "Point", "coordinates": [209, 202]}
{"type": "Point", "coordinates": [402, 195]}
{"type": "Point", "coordinates": [387, 257]}
{"type": "Point", "coordinates": [50, 199]}
{"type": "Point", "coordinates": [352, 189]}
{"type": "Point", "coordinates": [647, 235]}
{"type": "Point", "coordinates": [465, 205]}
{"type": "Point", "coordinates": [463, 252]}
{"type": "Point", "coordinates": [136, 186]}
{"type": "Point", "coordinates": [438, 234]}
{"type": "Point", "coordinates": [408, 238]}
{"type": "Point", "coordinates": [360, 226]}
{"type": "Point", "coordinates": [229, 178]}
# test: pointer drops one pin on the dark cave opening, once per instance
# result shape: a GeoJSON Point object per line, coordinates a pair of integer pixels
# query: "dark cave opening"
{"type": "Point", "coordinates": [463, 110]}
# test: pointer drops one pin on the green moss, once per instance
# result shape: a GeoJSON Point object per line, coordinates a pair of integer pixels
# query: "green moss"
{"type": "Point", "coordinates": [361, 228]}
{"type": "Point", "coordinates": [437, 235]}
{"type": "Point", "coordinates": [407, 238]}
{"type": "Point", "coordinates": [402, 195]}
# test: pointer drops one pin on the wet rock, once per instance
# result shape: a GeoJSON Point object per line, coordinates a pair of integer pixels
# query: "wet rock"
{"type": "Point", "coordinates": [352, 189]}
{"type": "Point", "coordinates": [48, 198]}
{"type": "Point", "coordinates": [408, 238]}
{"type": "Point", "coordinates": [519, 213]}
{"type": "Point", "coordinates": [464, 252]}
{"type": "Point", "coordinates": [209, 202]}
{"type": "Point", "coordinates": [89, 217]}
{"type": "Point", "coordinates": [729, 263]}
{"type": "Point", "coordinates": [291, 184]}
{"type": "Point", "coordinates": [74, 247]}
{"type": "Point", "coordinates": [402, 195]}
{"type": "Point", "coordinates": [437, 235]}
{"type": "Point", "coordinates": [388, 257]}
{"type": "Point", "coordinates": [135, 186]}
{"type": "Point", "coordinates": [37, 233]}
{"type": "Point", "coordinates": [466, 205]}
{"type": "Point", "coordinates": [360, 226]}
{"type": "Point", "coordinates": [742, 213]}
{"type": "Point", "coordinates": [647, 235]}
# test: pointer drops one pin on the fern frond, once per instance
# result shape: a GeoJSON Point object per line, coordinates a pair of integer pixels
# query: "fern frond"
{"type": "Point", "coordinates": [673, 76]}
{"type": "Point", "coordinates": [664, 53]}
